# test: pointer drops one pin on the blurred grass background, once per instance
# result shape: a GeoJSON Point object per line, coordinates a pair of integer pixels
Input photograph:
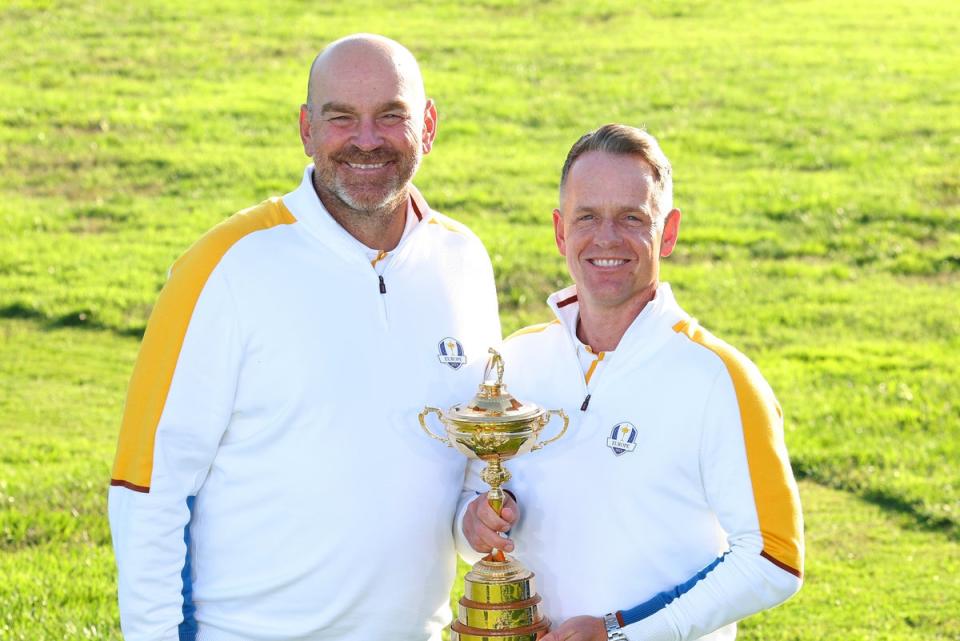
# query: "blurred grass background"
{"type": "Point", "coordinates": [815, 149]}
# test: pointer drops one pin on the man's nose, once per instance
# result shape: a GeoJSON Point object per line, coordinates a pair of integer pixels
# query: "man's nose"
{"type": "Point", "coordinates": [367, 137]}
{"type": "Point", "coordinates": [607, 234]}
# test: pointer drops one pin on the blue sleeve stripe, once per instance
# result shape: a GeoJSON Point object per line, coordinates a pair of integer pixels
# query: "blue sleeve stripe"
{"type": "Point", "coordinates": [662, 600]}
{"type": "Point", "coordinates": [188, 628]}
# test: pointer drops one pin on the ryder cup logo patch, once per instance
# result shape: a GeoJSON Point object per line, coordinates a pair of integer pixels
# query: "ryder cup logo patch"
{"type": "Point", "coordinates": [451, 353]}
{"type": "Point", "coordinates": [623, 438]}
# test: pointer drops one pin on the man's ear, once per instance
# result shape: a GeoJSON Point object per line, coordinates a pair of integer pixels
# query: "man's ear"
{"type": "Point", "coordinates": [558, 232]}
{"type": "Point", "coordinates": [430, 121]}
{"type": "Point", "coordinates": [671, 232]}
{"type": "Point", "coordinates": [305, 132]}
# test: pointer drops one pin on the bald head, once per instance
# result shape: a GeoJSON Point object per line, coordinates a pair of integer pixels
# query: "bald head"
{"type": "Point", "coordinates": [366, 124]}
{"type": "Point", "coordinates": [366, 58]}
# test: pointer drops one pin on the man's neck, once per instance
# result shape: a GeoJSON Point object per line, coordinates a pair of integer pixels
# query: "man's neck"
{"type": "Point", "coordinates": [377, 229]}
{"type": "Point", "coordinates": [602, 327]}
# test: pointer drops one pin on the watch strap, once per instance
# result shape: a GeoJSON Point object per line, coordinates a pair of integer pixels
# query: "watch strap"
{"type": "Point", "coordinates": [614, 631]}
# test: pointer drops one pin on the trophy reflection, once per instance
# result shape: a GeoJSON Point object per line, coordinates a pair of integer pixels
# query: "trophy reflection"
{"type": "Point", "coordinates": [499, 602]}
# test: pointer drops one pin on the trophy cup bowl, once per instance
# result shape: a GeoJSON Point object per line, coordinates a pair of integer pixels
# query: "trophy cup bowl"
{"type": "Point", "coordinates": [500, 602]}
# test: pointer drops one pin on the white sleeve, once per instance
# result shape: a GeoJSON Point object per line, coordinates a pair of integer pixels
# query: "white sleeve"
{"type": "Point", "coordinates": [178, 405]}
{"type": "Point", "coordinates": [750, 486]}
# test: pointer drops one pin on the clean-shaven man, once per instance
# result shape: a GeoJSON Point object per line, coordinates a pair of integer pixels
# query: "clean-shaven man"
{"type": "Point", "coordinates": [669, 511]}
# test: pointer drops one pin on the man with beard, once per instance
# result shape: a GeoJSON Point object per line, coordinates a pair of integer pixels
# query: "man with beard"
{"type": "Point", "coordinates": [669, 511]}
{"type": "Point", "coordinates": [274, 398]}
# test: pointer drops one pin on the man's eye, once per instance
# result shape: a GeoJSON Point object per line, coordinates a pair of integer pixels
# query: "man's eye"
{"type": "Point", "coordinates": [391, 118]}
{"type": "Point", "coordinates": [339, 119]}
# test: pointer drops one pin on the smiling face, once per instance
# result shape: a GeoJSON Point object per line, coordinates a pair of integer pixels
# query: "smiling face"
{"type": "Point", "coordinates": [609, 230]}
{"type": "Point", "coordinates": [366, 125]}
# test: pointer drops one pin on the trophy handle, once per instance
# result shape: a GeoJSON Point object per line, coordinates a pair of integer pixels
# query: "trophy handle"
{"type": "Point", "coordinates": [423, 423]}
{"type": "Point", "coordinates": [566, 422]}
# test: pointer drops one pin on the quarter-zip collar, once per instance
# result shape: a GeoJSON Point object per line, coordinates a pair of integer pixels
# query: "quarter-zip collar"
{"type": "Point", "coordinates": [646, 333]}
{"type": "Point", "coordinates": [307, 208]}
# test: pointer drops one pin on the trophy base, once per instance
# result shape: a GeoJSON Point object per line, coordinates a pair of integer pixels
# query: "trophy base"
{"type": "Point", "coordinates": [460, 632]}
{"type": "Point", "coordinates": [491, 581]}
{"type": "Point", "coordinates": [500, 603]}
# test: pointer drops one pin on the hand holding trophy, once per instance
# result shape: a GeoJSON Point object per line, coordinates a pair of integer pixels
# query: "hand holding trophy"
{"type": "Point", "coordinates": [500, 602]}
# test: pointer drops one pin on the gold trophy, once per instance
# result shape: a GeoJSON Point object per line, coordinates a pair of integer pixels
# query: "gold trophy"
{"type": "Point", "coordinates": [500, 602]}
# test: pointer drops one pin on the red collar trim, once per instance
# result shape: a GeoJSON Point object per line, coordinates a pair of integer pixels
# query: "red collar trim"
{"type": "Point", "coordinates": [418, 203]}
{"type": "Point", "coordinates": [567, 301]}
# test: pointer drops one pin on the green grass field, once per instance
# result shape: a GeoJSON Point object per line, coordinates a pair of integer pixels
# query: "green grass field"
{"type": "Point", "coordinates": [816, 150]}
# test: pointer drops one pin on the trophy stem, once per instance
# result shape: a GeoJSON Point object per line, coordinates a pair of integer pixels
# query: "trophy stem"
{"type": "Point", "coordinates": [495, 475]}
{"type": "Point", "coordinates": [495, 499]}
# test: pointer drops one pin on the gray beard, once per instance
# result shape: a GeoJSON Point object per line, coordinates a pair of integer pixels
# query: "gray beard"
{"type": "Point", "coordinates": [355, 216]}
{"type": "Point", "coordinates": [381, 208]}
{"type": "Point", "coordinates": [387, 203]}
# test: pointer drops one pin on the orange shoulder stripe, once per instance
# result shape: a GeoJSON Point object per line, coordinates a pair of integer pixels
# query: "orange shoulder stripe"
{"type": "Point", "coordinates": [160, 350]}
{"type": "Point", "coordinates": [774, 488]}
{"type": "Point", "coordinates": [532, 329]}
{"type": "Point", "coordinates": [448, 224]}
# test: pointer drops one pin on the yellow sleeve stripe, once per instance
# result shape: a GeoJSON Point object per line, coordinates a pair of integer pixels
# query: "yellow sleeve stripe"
{"type": "Point", "coordinates": [774, 489]}
{"type": "Point", "coordinates": [160, 350]}
{"type": "Point", "coordinates": [447, 224]}
{"type": "Point", "coordinates": [532, 329]}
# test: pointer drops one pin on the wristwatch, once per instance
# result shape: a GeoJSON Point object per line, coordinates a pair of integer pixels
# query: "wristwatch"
{"type": "Point", "coordinates": [614, 631]}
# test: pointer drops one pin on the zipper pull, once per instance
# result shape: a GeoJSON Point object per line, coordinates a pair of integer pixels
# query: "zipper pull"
{"type": "Point", "coordinates": [586, 402]}
{"type": "Point", "coordinates": [383, 285]}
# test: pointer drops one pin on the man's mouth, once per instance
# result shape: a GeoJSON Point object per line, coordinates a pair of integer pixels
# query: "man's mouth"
{"type": "Point", "coordinates": [607, 262]}
{"type": "Point", "coordinates": [366, 166]}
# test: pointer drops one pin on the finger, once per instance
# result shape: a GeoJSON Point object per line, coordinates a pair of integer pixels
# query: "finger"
{"type": "Point", "coordinates": [495, 540]}
{"type": "Point", "coordinates": [482, 538]}
{"type": "Point", "coordinates": [510, 512]}
{"type": "Point", "coordinates": [485, 542]}
{"type": "Point", "coordinates": [482, 528]}
{"type": "Point", "coordinates": [490, 518]}
{"type": "Point", "coordinates": [473, 529]}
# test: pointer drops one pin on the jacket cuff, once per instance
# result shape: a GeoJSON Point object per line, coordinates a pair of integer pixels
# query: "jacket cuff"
{"type": "Point", "coordinates": [656, 627]}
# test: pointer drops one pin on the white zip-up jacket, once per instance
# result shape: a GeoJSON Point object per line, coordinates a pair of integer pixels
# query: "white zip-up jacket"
{"type": "Point", "coordinates": [670, 500]}
{"type": "Point", "coordinates": [279, 383]}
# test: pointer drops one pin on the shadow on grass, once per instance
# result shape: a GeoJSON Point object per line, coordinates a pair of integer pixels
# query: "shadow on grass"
{"type": "Point", "coordinates": [80, 319]}
{"type": "Point", "coordinates": [18, 310]}
{"type": "Point", "coordinates": [892, 503]}
{"type": "Point", "coordinates": [912, 513]}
